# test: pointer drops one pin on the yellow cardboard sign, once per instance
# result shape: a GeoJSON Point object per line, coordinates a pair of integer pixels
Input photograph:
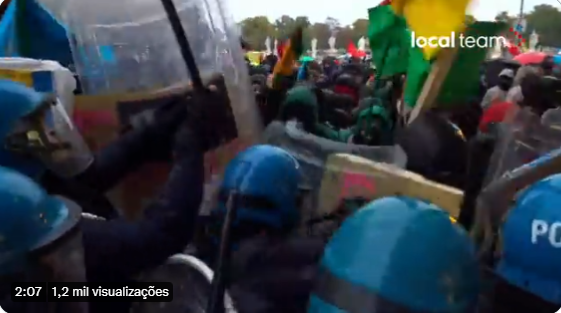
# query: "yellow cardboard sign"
{"type": "Point", "coordinates": [20, 76]}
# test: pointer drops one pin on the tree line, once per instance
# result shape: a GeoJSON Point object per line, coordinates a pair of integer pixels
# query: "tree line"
{"type": "Point", "coordinates": [255, 30]}
{"type": "Point", "coordinates": [544, 19]}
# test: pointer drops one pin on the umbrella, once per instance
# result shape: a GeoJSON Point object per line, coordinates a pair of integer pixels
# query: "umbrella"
{"type": "Point", "coordinates": [530, 58]}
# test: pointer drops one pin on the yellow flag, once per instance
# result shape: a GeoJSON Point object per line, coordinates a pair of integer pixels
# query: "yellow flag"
{"type": "Point", "coordinates": [436, 18]}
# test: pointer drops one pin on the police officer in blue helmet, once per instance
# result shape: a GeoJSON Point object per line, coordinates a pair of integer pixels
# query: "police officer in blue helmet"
{"type": "Point", "coordinates": [397, 254]}
{"type": "Point", "coordinates": [527, 277]}
{"type": "Point", "coordinates": [136, 50]}
{"type": "Point", "coordinates": [264, 183]}
{"type": "Point", "coordinates": [41, 242]}
{"type": "Point", "coordinates": [38, 134]}
{"type": "Point", "coordinates": [266, 180]}
{"type": "Point", "coordinates": [118, 249]}
{"type": "Point", "coordinates": [41, 141]}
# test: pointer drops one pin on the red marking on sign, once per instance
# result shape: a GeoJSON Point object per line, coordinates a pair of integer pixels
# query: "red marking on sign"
{"type": "Point", "coordinates": [353, 181]}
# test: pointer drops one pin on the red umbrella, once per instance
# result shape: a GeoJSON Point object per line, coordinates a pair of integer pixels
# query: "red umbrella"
{"type": "Point", "coordinates": [530, 58]}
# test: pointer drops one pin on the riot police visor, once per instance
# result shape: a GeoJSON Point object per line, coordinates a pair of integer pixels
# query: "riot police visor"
{"type": "Point", "coordinates": [49, 135]}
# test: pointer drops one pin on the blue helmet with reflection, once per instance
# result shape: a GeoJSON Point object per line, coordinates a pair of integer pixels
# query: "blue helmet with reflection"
{"type": "Point", "coordinates": [30, 218]}
{"type": "Point", "coordinates": [397, 254]}
{"type": "Point", "coordinates": [531, 244]}
{"type": "Point", "coordinates": [37, 133]}
{"type": "Point", "coordinates": [40, 239]}
{"type": "Point", "coordinates": [18, 101]}
{"type": "Point", "coordinates": [266, 180]}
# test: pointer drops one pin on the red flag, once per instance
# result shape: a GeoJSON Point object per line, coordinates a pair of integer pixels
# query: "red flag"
{"type": "Point", "coordinates": [359, 54]}
{"type": "Point", "coordinates": [354, 52]}
{"type": "Point", "coordinates": [513, 49]}
{"type": "Point", "coordinates": [280, 49]}
{"type": "Point", "coordinates": [351, 48]}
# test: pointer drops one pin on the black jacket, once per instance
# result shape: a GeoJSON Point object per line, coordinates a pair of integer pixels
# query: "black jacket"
{"type": "Point", "coordinates": [275, 275]}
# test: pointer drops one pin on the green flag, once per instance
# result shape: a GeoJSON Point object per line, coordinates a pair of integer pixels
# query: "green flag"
{"type": "Point", "coordinates": [462, 81]}
{"type": "Point", "coordinates": [393, 53]}
{"type": "Point", "coordinates": [418, 69]}
{"type": "Point", "coordinates": [388, 36]}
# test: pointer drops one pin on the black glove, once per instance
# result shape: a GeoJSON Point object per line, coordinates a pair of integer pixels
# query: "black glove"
{"type": "Point", "coordinates": [156, 124]}
{"type": "Point", "coordinates": [160, 125]}
{"type": "Point", "coordinates": [209, 123]}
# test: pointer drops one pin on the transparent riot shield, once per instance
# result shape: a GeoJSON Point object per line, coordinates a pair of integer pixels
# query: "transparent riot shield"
{"type": "Point", "coordinates": [528, 150]}
{"type": "Point", "coordinates": [128, 48]}
{"type": "Point", "coordinates": [312, 152]}
{"type": "Point", "coordinates": [527, 137]}
{"type": "Point", "coordinates": [191, 280]}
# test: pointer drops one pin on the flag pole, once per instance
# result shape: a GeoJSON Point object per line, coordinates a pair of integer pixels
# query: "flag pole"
{"type": "Point", "coordinates": [433, 84]}
{"type": "Point", "coordinates": [521, 17]}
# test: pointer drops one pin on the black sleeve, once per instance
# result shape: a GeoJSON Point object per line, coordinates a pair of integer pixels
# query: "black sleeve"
{"type": "Point", "coordinates": [279, 278]}
{"type": "Point", "coordinates": [114, 162]}
{"type": "Point", "coordinates": [121, 248]}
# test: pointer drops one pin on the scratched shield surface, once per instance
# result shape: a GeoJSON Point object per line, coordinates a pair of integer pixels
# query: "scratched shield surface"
{"type": "Point", "coordinates": [527, 137]}
{"type": "Point", "coordinates": [349, 177]}
{"type": "Point", "coordinates": [312, 153]}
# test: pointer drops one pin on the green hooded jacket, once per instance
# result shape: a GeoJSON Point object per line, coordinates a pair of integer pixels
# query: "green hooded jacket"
{"type": "Point", "coordinates": [366, 122]}
{"type": "Point", "coordinates": [304, 96]}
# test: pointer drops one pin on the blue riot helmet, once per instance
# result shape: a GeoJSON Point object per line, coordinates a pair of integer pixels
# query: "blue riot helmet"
{"type": "Point", "coordinates": [266, 180]}
{"type": "Point", "coordinates": [37, 133]}
{"type": "Point", "coordinates": [41, 239]}
{"type": "Point", "coordinates": [531, 247]}
{"type": "Point", "coordinates": [397, 254]}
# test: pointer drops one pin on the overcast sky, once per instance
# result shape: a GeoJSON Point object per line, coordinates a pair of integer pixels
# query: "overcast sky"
{"type": "Point", "coordinates": [348, 11]}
